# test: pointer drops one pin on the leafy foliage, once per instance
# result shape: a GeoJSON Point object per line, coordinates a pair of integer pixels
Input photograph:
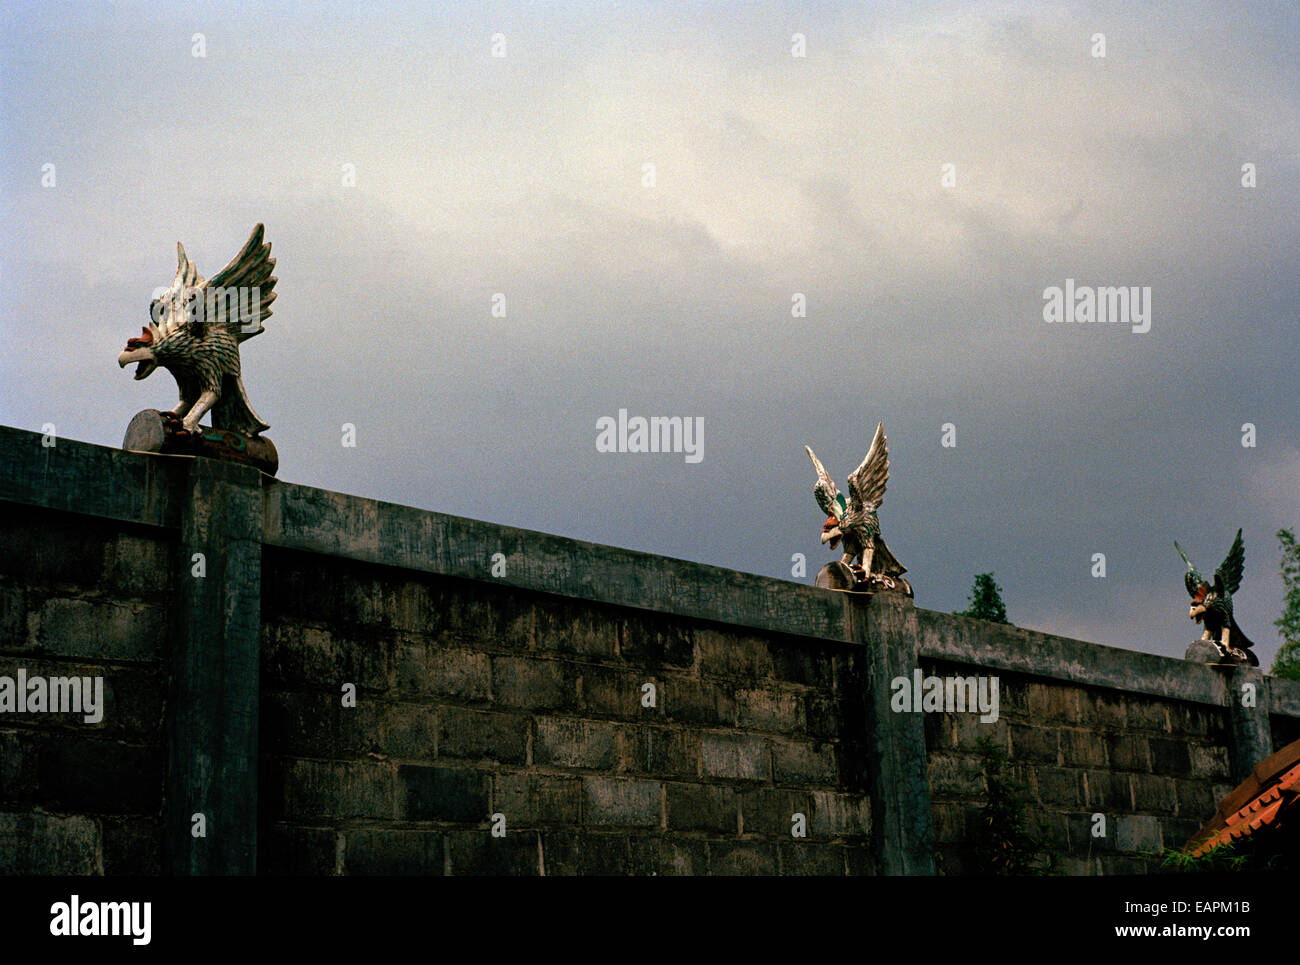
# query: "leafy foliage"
{"type": "Point", "coordinates": [1287, 662]}
{"type": "Point", "coordinates": [1003, 843]}
{"type": "Point", "coordinates": [986, 601]}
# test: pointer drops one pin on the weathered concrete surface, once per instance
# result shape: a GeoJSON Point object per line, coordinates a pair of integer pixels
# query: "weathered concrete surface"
{"type": "Point", "coordinates": [317, 521]}
{"type": "Point", "coordinates": [898, 782]}
{"type": "Point", "coordinates": [216, 650]}
{"type": "Point", "coordinates": [92, 480]}
{"type": "Point", "coordinates": [1252, 737]}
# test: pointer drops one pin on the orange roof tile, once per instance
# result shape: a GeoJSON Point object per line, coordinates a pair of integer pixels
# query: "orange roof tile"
{"type": "Point", "coordinates": [1272, 786]}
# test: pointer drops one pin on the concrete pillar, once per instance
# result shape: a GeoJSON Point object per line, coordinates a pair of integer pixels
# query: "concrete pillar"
{"type": "Point", "coordinates": [212, 705]}
{"type": "Point", "coordinates": [902, 824]}
{"type": "Point", "coordinates": [1252, 733]}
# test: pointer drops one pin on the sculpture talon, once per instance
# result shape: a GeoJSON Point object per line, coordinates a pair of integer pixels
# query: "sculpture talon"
{"type": "Point", "coordinates": [854, 521]}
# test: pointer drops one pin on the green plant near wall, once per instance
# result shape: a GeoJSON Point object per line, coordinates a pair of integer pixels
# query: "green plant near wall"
{"type": "Point", "coordinates": [1003, 843]}
{"type": "Point", "coordinates": [1269, 849]}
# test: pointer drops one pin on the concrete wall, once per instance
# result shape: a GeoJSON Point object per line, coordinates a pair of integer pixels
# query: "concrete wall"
{"type": "Point", "coordinates": [228, 613]}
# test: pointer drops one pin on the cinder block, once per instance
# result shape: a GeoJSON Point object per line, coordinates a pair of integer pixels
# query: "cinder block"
{"type": "Point", "coordinates": [576, 742]}
{"type": "Point", "coordinates": [675, 856]}
{"type": "Point", "coordinates": [1128, 753]}
{"type": "Point", "coordinates": [724, 654]}
{"type": "Point", "coordinates": [478, 853]}
{"type": "Point", "coordinates": [536, 800]}
{"type": "Point", "coordinates": [105, 631]}
{"type": "Point", "coordinates": [42, 844]}
{"type": "Point", "coordinates": [616, 693]}
{"type": "Point", "coordinates": [444, 794]}
{"type": "Point", "coordinates": [825, 716]}
{"type": "Point", "coordinates": [672, 752]}
{"type": "Point", "coordinates": [1209, 761]}
{"type": "Point", "coordinates": [1170, 756]}
{"type": "Point", "coordinates": [482, 735]}
{"type": "Point", "coordinates": [1060, 786]}
{"type": "Point", "coordinates": [1147, 714]}
{"type": "Point", "coordinates": [1196, 799]}
{"type": "Point", "coordinates": [1082, 748]}
{"type": "Point", "coordinates": [489, 617]}
{"type": "Point", "coordinates": [742, 858]}
{"type": "Point", "coordinates": [424, 668]}
{"type": "Point", "coordinates": [603, 855]}
{"type": "Point", "coordinates": [577, 627]}
{"type": "Point", "coordinates": [1032, 744]}
{"type": "Point", "coordinates": [1104, 711]}
{"type": "Point", "coordinates": [803, 662]}
{"type": "Point", "coordinates": [1138, 833]}
{"type": "Point", "coordinates": [702, 807]}
{"type": "Point", "coordinates": [954, 776]}
{"type": "Point", "coordinates": [656, 641]}
{"type": "Point", "coordinates": [693, 701]}
{"type": "Point", "coordinates": [1054, 702]}
{"type": "Point", "coordinates": [1153, 792]}
{"type": "Point", "coordinates": [811, 858]}
{"type": "Point", "coordinates": [970, 730]}
{"type": "Point", "coordinates": [393, 852]}
{"type": "Point", "coordinates": [770, 710]}
{"type": "Point", "coordinates": [1107, 792]}
{"type": "Point", "coordinates": [141, 568]}
{"type": "Point", "coordinates": [620, 802]}
{"type": "Point", "coordinates": [410, 731]}
{"type": "Point", "coordinates": [335, 791]}
{"type": "Point", "coordinates": [735, 756]}
{"type": "Point", "coordinates": [534, 684]}
{"type": "Point", "coordinates": [803, 762]}
{"type": "Point", "coordinates": [318, 725]}
{"type": "Point", "coordinates": [840, 815]}
{"type": "Point", "coordinates": [295, 655]}
{"type": "Point", "coordinates": [771, 811]}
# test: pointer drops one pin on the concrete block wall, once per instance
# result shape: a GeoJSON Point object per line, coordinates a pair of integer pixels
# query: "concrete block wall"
{"type": "Point", "coordinates": [1152, 769]}
{"type": "Point", "coordinates": [83, 597]}
{"type": "Point", "coordinates": [481, 692]}
{"type": "Point", "coordinates": [476, 700]}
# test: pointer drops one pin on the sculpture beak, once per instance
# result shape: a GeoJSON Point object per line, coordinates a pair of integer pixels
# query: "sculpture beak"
{"type": "Point", "coordinates": [142, 355]}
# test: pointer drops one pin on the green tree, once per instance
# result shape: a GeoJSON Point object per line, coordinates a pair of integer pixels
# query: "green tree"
{"type": "Point", "coordinates": [986, 601]}
{"type": "Point", "coordinates": [1287, 662]}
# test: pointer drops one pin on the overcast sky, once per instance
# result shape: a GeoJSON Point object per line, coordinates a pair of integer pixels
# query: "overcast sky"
{"type": "Point", "coordinates": [773, 174]}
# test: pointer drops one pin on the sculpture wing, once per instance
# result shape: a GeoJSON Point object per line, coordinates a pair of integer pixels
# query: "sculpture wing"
{"type": "Point", "coordinates": [1191, 579]}
{"type": "Point", "coordinates": [248, 273]}
{"type": "Point", "coordinates": [827, 495]}
{"type": "Point", "coordinates": [1229, 571]}
{"type": "Point", "coordinates": [176, 306]}
{"type": "Point", "coordinates": [867, 483]}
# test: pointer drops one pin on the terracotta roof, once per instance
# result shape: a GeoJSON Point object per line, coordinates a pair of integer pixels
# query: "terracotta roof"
{"type": "Point", "coordinates": [1272, 787]}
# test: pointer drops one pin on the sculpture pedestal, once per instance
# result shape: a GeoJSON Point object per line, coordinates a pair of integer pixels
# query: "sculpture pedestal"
{"type": "Point", "coordinates": [839, 576]}
{"type": "Point", "coordinates": [1204, 651]}
{"type": "Point", "coordinates": [155, 431]}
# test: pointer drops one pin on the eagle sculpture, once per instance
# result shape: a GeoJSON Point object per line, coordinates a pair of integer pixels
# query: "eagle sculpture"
{"type": "Point", "coordinates": [854, 520]}
{"type": "Point", "coordinates": [1212, 604]}
{"type": "Point", "coordinates": [195, 331]}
